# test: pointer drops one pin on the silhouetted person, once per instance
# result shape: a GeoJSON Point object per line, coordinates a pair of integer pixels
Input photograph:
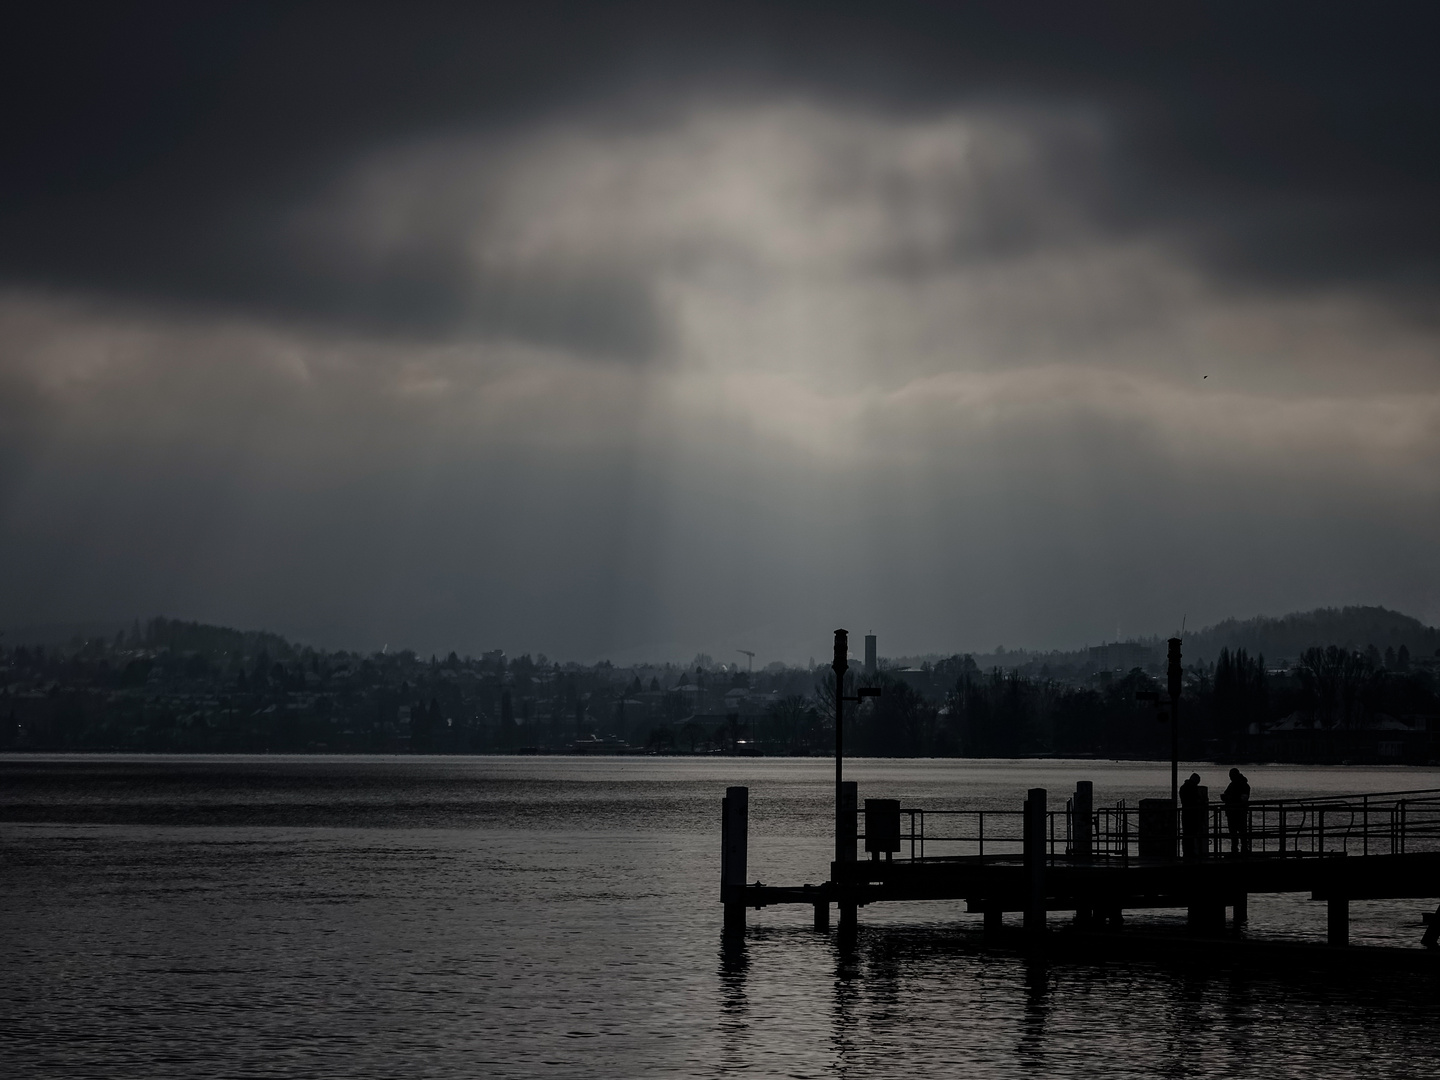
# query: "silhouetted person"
{"type": "Point", "coordinates": [1192, 818]}
{"type": "Point", "coordinates": [1237, 815]}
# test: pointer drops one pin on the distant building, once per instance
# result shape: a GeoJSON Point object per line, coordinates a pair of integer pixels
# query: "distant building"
{"type": "Point", "coordinates": [869, 654]}
{"type": "Point", "coordinates": [1122, 656]}
{"type": "Point", "coordinates": [918, 678]}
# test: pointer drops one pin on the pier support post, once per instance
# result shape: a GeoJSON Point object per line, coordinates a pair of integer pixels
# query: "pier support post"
{"type": "Point", "coordinates": [1338, 920]}
{"type": "Point", "coordinates": [822, 916]}
{"type": "Point", "coordinates": [1081, 820]}
{"type": "Point", "coordinates": [1206, 915]}
{"type": "Point", "coordinates": [846, 843]}
{"type": "Point", "coordinates": [846, 850]}
{"type": "Point", "coordinates": [1241, 904]}
{"type": "Point", "coordinates": [1195, 825]}
{"type": "Point", "coordinates": [1082, 840]}
{"type": "Point", "coordinates": [1432, 930]}
{"type": "Point", "coordinates": [734, 844]}
{"type": "Point", "coordinates": [1035, 859]}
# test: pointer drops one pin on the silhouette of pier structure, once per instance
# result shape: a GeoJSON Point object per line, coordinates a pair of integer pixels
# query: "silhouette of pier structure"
{"type": "Point", "coordinates": [1098, 862]}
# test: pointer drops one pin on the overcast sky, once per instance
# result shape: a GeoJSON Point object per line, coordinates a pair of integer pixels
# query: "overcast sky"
{"type": "Point", "coordinates": [621, 331]}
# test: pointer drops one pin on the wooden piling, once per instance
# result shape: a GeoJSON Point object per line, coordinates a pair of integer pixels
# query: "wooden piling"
{"type": "Point", "coordinates": [1337, 921]}
{"type": "Point", "coordinates": [847, 842]}
{"type": "Point", "coordinates": [846, 847]}
{"type": "Point", "coordinates": [1195, 825]}
{"type": "Point", "coordinates": [1035, 859]}
{"type": "Point", "coordinates": [822, 916]}
{"type": "Point", "coordinates": [1432, 930]}
{"type": "Point", "coordinates": [734, 844]}
{"type": "Point", "coordinates": [1082, 820]}
{"type": "Point", "coordinates": [1206, 915]}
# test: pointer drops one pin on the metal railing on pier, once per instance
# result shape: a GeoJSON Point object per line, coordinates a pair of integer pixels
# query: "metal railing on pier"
{"type": "Point", "coordinates": [1378, 823]}
{"type": "Point", "coordinates": [1383, 823]}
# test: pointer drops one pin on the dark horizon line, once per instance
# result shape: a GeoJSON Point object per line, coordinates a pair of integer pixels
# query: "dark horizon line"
{"type": "Point", "coordinates": [64, 633]}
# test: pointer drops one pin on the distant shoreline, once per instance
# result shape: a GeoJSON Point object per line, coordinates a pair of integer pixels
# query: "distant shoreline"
{"type": "Point", "coordinates": [38, 754]}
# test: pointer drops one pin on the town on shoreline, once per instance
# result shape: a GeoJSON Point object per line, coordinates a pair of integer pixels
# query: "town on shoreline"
{"type": "Point", "coordinates": [1357, 685]}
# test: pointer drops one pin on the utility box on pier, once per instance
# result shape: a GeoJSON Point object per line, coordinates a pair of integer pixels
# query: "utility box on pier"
{"type": "Point", "coordinates": [882, 826]}
{"type": "Point", "coordinates": [1157, 829]}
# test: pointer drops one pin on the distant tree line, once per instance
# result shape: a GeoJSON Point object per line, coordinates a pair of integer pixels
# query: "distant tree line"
{"type": "Point", "coordinates": [168, 685]}
{"type": "Point", "coordinates": [1227, 707]}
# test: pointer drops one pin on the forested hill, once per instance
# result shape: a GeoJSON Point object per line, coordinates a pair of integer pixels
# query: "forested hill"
{"type": "Point", "coordinates": [1277, 638]}
{"type": "Point", "coordinates": [181, 637]}
{"type": "Point", "coordinates": [220, 643]}
{"type": "Point", "coordinates": [1290, 635]}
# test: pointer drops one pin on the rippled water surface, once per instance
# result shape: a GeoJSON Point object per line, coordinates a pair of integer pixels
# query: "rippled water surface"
{"type": "Point", "coordinates": [557, 917]}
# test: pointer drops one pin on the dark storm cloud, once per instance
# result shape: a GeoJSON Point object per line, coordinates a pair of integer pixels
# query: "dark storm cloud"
{"type": "Point", "coordinates": [162, 150]}
{"type": "Point", "coordinates": [301, 309]}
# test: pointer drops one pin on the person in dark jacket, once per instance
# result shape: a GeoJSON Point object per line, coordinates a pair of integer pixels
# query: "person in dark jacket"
{"type": "Point", "coordinates": [1192, 818]}
{"type": "Point", "coordinates": [1237, 812]}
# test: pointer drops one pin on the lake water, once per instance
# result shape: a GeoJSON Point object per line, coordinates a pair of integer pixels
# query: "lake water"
{"type": "Point", "coordinates": [477, 917]}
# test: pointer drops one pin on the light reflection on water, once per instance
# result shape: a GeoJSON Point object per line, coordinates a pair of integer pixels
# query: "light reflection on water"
{"type": "Point", "coordinates": [542, 917]}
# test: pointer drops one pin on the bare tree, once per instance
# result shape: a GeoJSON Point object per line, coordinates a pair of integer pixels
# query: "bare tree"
{"type": "Point", "coordinates": [1335, 681]}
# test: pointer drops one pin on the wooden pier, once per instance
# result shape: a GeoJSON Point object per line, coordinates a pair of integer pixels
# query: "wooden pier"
{"type": "Point", "coordinates": [1099, 863]}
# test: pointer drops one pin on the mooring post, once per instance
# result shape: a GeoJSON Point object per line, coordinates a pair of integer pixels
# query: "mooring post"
{"type": "Point", "coordinates": [734, 842]}
{"type": "Point", "coordinates": [1195, 824]}
{"type": "Point", "coordinates": [846, 852]}
{"type": "Point", "coordinates": [1241, 903]}
{"type": "Point", "coordinates": [1338, 920]}
{"type": "Point", "coordinates": [848, 847]}
{"type": "Point", "coordinates": [1207, 909]}
{"type": "Point", "coordinates": [1081, 811]}
{"type": "Point", "coordinates": [1034, 847]}
{"type": "Point", "coordinates": [1206, 914]}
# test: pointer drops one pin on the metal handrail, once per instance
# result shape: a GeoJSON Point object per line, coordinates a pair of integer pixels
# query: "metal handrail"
{"type": "Point", "coordinates": [1364, 824]}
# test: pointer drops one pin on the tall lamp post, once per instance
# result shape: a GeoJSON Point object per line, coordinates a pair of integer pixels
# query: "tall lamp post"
{"type": "Point", "coordinates": [1175, 678]}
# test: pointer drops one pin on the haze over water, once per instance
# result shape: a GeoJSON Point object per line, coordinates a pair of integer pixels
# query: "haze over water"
{"type": "Point", "coordinates": [560, 917]}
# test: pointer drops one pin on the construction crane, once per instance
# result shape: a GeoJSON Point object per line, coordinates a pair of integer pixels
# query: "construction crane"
{"type": "Point", "coordinates": [750, 663]}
